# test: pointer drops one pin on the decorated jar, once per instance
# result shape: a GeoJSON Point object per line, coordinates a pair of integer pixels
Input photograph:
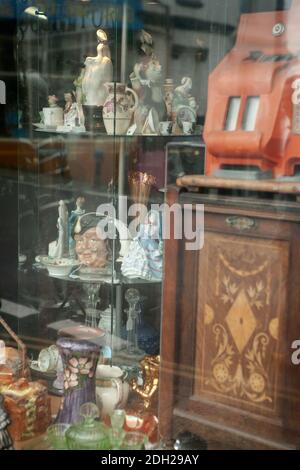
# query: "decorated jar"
{"type": "Point", "coordinates": [118, 110]}
{"type": "Point", "coordinates": [80, 359]}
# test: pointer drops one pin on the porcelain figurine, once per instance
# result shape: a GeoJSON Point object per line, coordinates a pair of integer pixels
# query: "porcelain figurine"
{"type": "Point", "coordinates": [60, 248]}
{"type": "Point", "coordinates": [118, 109]}
{"type": "Point", "coordinates": [168, 96]}
{"type": "Point", "coordinates": [71, 117]}
{"type": "Point", "coordinates": [182, 95]}
{"type": "Point", "coordinates": [75, 214]}
{"type": "Point", "coordinates": [145, 257]}
{"type": "Point", "coordinates": [79, 94]}
{"type": "Point", "coordinates": [52, 101]}
{"type": "Point", "coordinates": [98, 71]}
{"type": "Point", "coordinates": [146, 80]}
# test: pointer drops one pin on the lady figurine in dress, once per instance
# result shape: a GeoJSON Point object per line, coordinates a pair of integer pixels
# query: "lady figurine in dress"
{"type": "Point", "coordinates": [98, 71]}
{"type": "Point", "coordinates": [145, 256]}
{"type": "Point", "coordinates": [71, 117]}
{"type": "Point", "coordinates": [146, 80]}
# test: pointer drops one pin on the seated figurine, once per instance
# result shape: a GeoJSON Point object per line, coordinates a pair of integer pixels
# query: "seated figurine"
{"type": "Point", "coordinates": [182, 95]}
{"type": "Point", "coordinates": [71, 117]}
{"type": "Point", "coordinates": [145, 256]}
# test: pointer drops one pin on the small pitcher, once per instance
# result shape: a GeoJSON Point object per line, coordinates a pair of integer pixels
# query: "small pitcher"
{"type": "Point", "coordinates": [111, 388]}
{"type": "Point", "coordinates": [117, 121]}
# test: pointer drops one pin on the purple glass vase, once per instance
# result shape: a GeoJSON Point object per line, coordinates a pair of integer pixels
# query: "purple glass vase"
{"type": "Point", "coordinates": [80, 359]}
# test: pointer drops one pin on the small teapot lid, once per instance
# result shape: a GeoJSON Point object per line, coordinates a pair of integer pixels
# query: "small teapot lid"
{"type": "Point", "coordinates": [89, 412]}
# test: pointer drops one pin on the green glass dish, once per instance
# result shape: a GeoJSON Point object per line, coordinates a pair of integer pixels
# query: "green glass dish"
{"type": "Point", "coordinates": [56, 434]}
{"type": "Point", "coordinates": [88, 434]}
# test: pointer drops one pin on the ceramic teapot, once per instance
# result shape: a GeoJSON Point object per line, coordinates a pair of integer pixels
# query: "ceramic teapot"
{"type": "Point", "coordinates": [117, 121]}
{"type": "Point", "coordinates": [111, 388]}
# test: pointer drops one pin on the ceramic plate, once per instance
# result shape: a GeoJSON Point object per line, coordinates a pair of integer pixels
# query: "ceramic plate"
{"type": "Point", "coordinates": [40, 125]}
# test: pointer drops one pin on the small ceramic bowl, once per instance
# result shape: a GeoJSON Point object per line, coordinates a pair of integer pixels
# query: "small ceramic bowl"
{"type": "Point", "coordinates": [58, 267]}
{"type": "Point", "coordinates": [56, 434]}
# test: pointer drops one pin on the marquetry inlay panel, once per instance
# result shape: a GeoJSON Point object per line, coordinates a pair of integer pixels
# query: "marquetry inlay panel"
{"type": "Point", "coordinates": [241, 301]}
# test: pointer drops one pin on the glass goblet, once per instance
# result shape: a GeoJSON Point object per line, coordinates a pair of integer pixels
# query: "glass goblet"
{"type": "Point", "coordinates": [134, 440]}
{"type": "Point", "coordinates": [117, 419]}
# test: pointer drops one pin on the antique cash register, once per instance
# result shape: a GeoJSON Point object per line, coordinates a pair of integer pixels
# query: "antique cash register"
{"type": "Point", "coordinates": [253, 118]}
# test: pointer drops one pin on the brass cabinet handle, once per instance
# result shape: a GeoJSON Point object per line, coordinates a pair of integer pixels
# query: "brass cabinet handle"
{"type": "Point", "coordinates": [242, 224]}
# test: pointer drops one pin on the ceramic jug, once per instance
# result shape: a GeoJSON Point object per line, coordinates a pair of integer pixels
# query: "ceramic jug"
{"type": "Point", "coordinates": [111, 388]}
{"type": "Point", "coordinates": [117, 121]}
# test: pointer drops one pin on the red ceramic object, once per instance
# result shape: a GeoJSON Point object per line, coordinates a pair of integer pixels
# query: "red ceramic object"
{"type": "Point", "coordinates": [143, 422]}
{"type": "Point", "coordinates": [259, 72]}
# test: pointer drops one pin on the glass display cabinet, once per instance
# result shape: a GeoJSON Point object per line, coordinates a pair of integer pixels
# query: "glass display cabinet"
{"type": "Point", "coordinates": [99, 107]}
{"type": "Point", "coordinates": [116, 105]}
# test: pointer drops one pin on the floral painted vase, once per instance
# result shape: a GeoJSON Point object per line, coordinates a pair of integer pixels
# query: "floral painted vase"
{"type": "Point", "coordinates": [118, 110]}
{"type": "Point", "coordinates": [80, 359]}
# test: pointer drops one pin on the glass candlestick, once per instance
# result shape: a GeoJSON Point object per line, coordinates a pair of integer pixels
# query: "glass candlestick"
{"type": "Point", "coordinates": [117, 433]}
{"type": "Point", "coordinates": [133, 298]}
{"type": "Point", "coordinates": [92, 314]}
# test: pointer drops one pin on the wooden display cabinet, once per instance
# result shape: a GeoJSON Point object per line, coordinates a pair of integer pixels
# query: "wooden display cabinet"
{"type": "Point", "coordinates": [231, 314]}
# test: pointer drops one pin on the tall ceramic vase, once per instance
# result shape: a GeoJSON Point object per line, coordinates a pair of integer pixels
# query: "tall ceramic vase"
{"type": "Point", "coordinates": [117, 109]}
{"type": "Point", "coordinates": [80, 358]}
